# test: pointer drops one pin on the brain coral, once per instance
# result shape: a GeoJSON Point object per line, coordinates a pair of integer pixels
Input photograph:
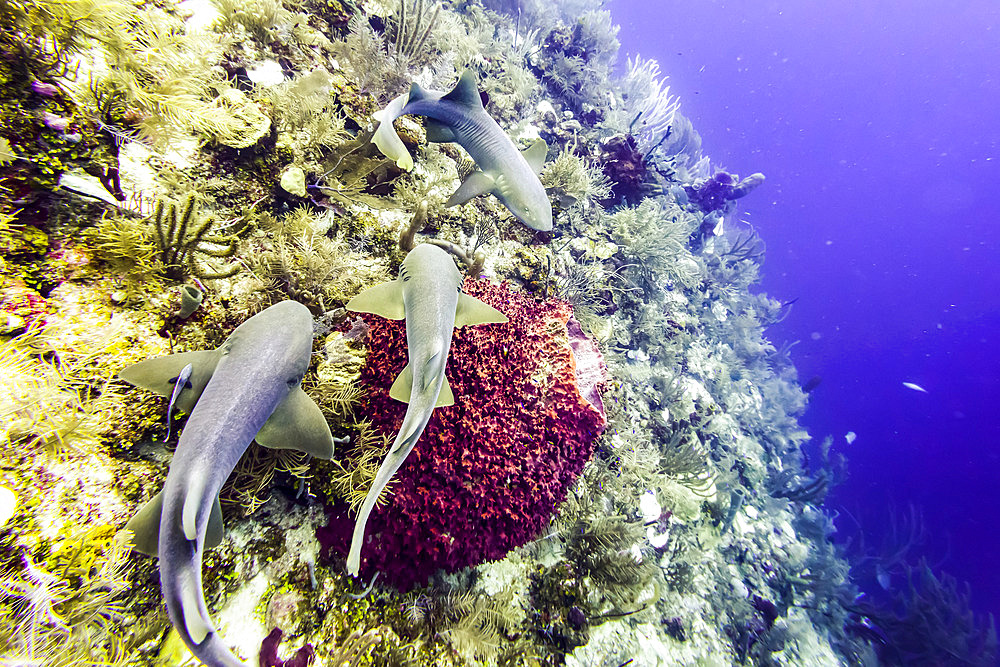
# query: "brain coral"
{"type": "Point", "coordinates": [489, 471]}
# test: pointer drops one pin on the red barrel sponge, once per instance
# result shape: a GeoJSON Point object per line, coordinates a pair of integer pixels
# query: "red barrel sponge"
{"type": "Point", "coordinates": [489, 471]}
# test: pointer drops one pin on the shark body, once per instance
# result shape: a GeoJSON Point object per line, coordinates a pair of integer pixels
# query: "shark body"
{"type": "Point", "coordinates": [247, 388]}
{"type": "Point", "coordinates": [427, 294]}
{"type": "Point", "coordinates": [459, 116]}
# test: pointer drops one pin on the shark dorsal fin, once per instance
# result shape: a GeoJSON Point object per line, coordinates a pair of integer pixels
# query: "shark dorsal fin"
{"type": "Point", "coordinates": [416, 93]}
{"type": "Point", "coordinates": [535, 154]}
{"type": "Point", "coordinates": [402, 388]}
{"type": "Point", "coordinates": [465, 92]}
{"type": "Point", "coordinates": [385, 299]}
{"type": "Point", "coordinates": [195, 624]}
{"type": "Point", "coordinates": [298, 423]}
{"type": "Point", "coordinates": [473, 311]}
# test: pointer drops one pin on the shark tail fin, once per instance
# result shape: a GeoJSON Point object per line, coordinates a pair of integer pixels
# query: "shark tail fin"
{"type": "Point", "coordinates": [298, 423]}
{"type": "Point", "coordinates": [397, 454]}
{"type": "Point", "coordinates": [385, 137]}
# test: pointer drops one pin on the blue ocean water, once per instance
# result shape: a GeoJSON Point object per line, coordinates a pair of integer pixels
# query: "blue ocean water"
{"type": "Point", "coordinates": [876, 124]}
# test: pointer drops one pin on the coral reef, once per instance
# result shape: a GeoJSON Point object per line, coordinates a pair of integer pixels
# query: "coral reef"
{"type": "Point", "coordinates": [622, 480]}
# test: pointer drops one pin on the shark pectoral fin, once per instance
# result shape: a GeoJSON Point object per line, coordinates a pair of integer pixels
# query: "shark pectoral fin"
{"type": "Point", "coordinates": [214, 531]}
{"type": "Point", "coordinates": [478, 183]}
{"type": "Point", "coordinates": [535, 154]}
{"type": "Point", "coordinates": [145, 526]}
{"type": "Point", "coordinates": [385, 300]}
{"type": "Point", "coordinates": [385, 137]}
{"type": "Point", "coordinates": [298, 423]}
{"type": "Point", "coordinates": [403, 386]}
{"type": "Point", "coordinates": [465, 92]}
{"type": "Point", "coordinates": [473, 311]}
{"type": "Point", "coordinates": [156, 375]}
{"type": "Point", "coordinates": [439, 132]}
{"type": "Point", "coordinates": [446, 397]}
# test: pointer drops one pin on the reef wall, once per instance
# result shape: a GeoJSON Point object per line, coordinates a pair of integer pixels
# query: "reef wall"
{"type": "Point", "coordinates": [626, 461]}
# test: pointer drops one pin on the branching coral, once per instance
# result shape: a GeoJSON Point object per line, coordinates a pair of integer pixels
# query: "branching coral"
{"type": "Point", "coordinates": [38, 407]}
{"type": "Point", "coordinates": [606, 550]}
{"type": "Point", "coordinates": [930, 623]}
{"type": "Point", "coordinates": [350, 172]}
{"type": "Point", "coordinates": [182, 235]}
{"type": "Point", "coordinates": [572, 180]}
{"type": "Point", "coordinates": [412, 27]}
{"type": "Point", "coordinates": [353, 476]}
{"type": "Point", "coordinates": [127, 246]}
{"type": "Point", "coordinates": [304, 263]}
{"type": "Point", "coordinates": [474, 624]}
{"type": "Point", "coordinates": [654, 237]}
{"type": "Point", "coordinates": [647, 108]}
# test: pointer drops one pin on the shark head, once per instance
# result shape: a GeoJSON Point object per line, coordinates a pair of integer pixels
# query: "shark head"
{"type": "Point", "coordinates": [529, 205]}
{"type": "Point", "coordinates": [428, 260]}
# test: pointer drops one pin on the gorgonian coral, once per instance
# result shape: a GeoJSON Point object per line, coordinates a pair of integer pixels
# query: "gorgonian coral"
{"type": "Point", "coordinates": [489, 471]}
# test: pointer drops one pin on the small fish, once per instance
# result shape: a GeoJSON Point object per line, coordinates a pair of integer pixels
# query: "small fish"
{"type": "Point", "coordinates": [914, 387]}
{"type": "Point", "coordinates": [882, 577]}
{"type": "Point", "coordinates": [811, 384]}
{"type": "Point", "coordinates": [181, 382]}
{"type": "Point", "coordinates": [850, 437]}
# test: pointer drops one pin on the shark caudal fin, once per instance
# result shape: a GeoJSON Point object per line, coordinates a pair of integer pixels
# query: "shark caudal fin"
{"type": "Point", "coordinates": [393, 460]}
{"type": "Point", "coordinates": [385, 137]}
